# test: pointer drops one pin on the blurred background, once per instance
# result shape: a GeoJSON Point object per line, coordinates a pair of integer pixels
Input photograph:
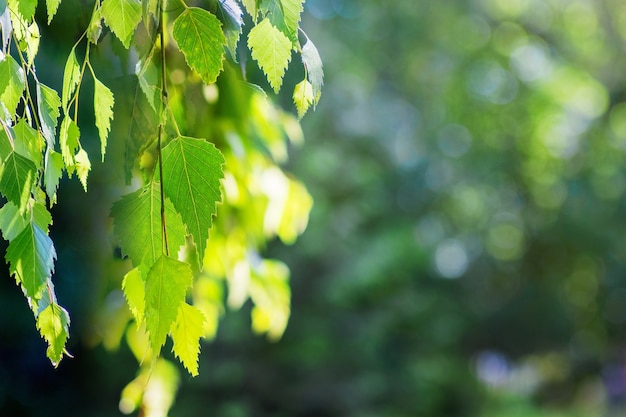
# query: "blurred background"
{"type": "Point", "coordinates": [465, 254]}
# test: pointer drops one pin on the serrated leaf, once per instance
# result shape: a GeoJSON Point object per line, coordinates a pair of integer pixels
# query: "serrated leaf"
{"type": "Point", "coordinates": [313, 64]}
{"type": "Point", "coordinates": [192, 169]}
{"type": "Point", "coordinates": [52, 7]}
{"type": "Point", "coordinates": [166, 285]}
{"type": "Point", "coordinates": [149, 10]}
{"type": "Point", "coordinates": [122, 16]}
{"type": "Point", "coordinates": [94, 30]}
{"type": "Point", "coordinates": [5, 24]}
{"type": "Point", "coordinates": [186, 333]}
{"type": "Point", "coordinates": [292, 10]}
{"type": "Point", "coordinates": [12, 222]}
{"type": "Point", "coordinates": [69, 135]}
{"type": "Point", "coordinates": [28, 142]}
{"type": "Point", "coordinates": [103, 103]}
{"type": "Point", "coordinates": [231, 17]}
{"type": "Point", "coordinates": [26, 8]}
{"type": "Point", "coordinates": [137, 225]}
{"type": "Point", "coordinates": [251, 8]}
{"type": "Point", "coordinates": [272, 50]}
{"type": "Point", "coordinates": [83, 166]}
{"type": "Point", "coordinates": [17, 179]}
{"type": "Point", "coordinates": [53, 170]}
{"type": "Point", "coordinates": [53, 324]}
{"type": "Point", "coordinates": [12, 83]}
{"type": "Point", "coordinates": [48, 104]}
{"type": "Point", "coordinates": [26, 32]}
{"type": "Point", "coordinates": [71, 77]}
{"type": "Point", "coordinates": [199, 36]}
{"type": "Point", "coordinates": [148, 73]}
{"type": "Point", "coordinates": [303, 97]}
{"type": "Point", "coordinates": [134, 287]}
{"type": "Point", "coordinates": [31, 258]}
{"type": "Point", "coordinates": [275, 12]}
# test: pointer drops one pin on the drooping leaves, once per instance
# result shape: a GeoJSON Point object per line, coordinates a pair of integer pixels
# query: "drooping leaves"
{"type": "Point", "coordinates": [313, 64]}
{"type": "Point", "coordinates": [192, 169]}
{"type": "Point", "coordinates": [26, 8]}
{"type": "Point", "coordinates": [303, 97]}
{"type": "Point", "coordinates": [71, 77]}
{"type": "Point", "coordinates": [12, 222]}
{"type": "Point", "coordinates": [166, 285]}
{"type": "Point", "coordinates": [52, 7]}
{"type": "Point", "coordinates": [272, 50]}
{"type": "Point", "coordinates": [53, 324]}
{"type": "Point", "coordinates": [137, 224]}
{"type": "Point", "coordinates": [186, 333]}
{"type": "Point", "coordinates": [12, 83]}
{"type": "Point", "coordinates": [28, 142]}
{"type": "Point", "coordinates": [199, 36]}
{"type": "Point", "coordinates": [103, 102]}
{"type": "Point", "coordinates": [69, 135]}
{"type": "Point", "coordinates": [292, 10]}
{"type": "Point", "coordinates": [83, 166]}
{"type": "Point", "coordinates": [31, 258]}
{"type": "Point", "coordinates": [17, 179]}
{"type": "Point", "coordinates": [122, 16]}
{"type": "Point", "coordinates": [48, 104]}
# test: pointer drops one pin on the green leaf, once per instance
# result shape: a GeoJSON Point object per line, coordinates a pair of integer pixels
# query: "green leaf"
{"type": "Point", "coordinates": [292, 10]}
{"type": "Point", "coordinates": [122, 16]}
{"type": "Point", "coordinates": [251, 7]}
{"type": "Point", "coordinates": [69, 143]}
{"type": "Point", "coordinates": [200, 38]}
{"type": "Point", "coordinates": [48, 103]}
{"type": "Point", "coordinates": [186, 333]}
{"type": "Point", "coordinates": [148, 71]}
{"type": "Point", "coordinates": [52, 7]}
{"type": "Point", "coordinates": [231, 17]}
{"type": "Point", "coordinates": [272, 50]}
{"type": "Point", "coordinates": [166, 285]}
{"type": "Point", "coordinates": [12, 222]}
{"type": "Point", "coordinates": [134, 287]}
{"type": "Point", "coordinates": [53, 171]}
{"type": "Point", "coordinates": [5, 24]}
{"type": "Point", "coordinates": [17, 179]}
{"type": "Point", "coordinates": [192, 169]}
{"type": "Point", "coordinates": [31, 258]}
{"type": "Point", "coordinates": [83, 166]}
{"type": "Point", "coordinates": [26, 8]}
{"type": "Point", "coordinates": [313, 64]}
{"type": "Point", "coordinates": [149, 10]}
{"type": "Point", "coordinates": [103, 103]}
{"type": "Point", "coordinates": [94, 30]}
{"type": "Point", "coordinates": [137, 225]}
{"type": "Point", "coordinates": [12, 83]}
{"type": "Point", "coordinates": [303, 97]}
{"type": "Point", "coordinates": [71, 77]}
{"type": "Point", "coordinates": [53, 324]}
{"type": "Point", "coordinates": [28, 142]}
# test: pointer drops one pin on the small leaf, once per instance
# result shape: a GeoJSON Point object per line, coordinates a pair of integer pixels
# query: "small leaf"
{"type": "Point", "coordinates": [200, 38]}
{"type": "Point", "coordinates": [137, 225]}
{"type": "Point", "coordinates": [251, 8]}
{"type": "Point", "coordinates": [122, 16]}
{"type": "Point", "coordinates": [53, 324]}
{"type": "Point", "coordinates": [303, 97]}
{"type": "Point", "coordinates": [272, 50]}
{"type": "Point", "coordinates": [31, 258]}
{"type": "Point", "coordinates": [192, 169]}
{"type": "Point", "coordinates": [52, 7]}
{"type": "Point", "coordinates": [71, 77]}
{"type": "Point", "coordinates": [94, 30]}
{"type": "Point", "coordinates": [12, 222]}
{"type": "Point", "coordinates": [313, 64]}
{"type": "Point", "coordinates": [232, 20]}
{"type": "Point", "coordinates": [53, 171]}
{"type": "Point", "coordinates": [103, 103]}
{"type": "Point", "coordinates": [186, 333]}
{"type": "Point", "coordinates": [12, 83]}
{"type": "Point", "coordinates": [166, 285]}
{"type": "Point", "coordinates": [148, 73]}
{"type": "Point", "coordinates": [134, 287]}
{"type": "Point", "coordinates": [17, 179]}
{"type": "Point", "coordinates": [48, 103]}
{"type": "Point", "coordinates": [83, 166]}
{"type": "Point", "coordinates": [69, 143]}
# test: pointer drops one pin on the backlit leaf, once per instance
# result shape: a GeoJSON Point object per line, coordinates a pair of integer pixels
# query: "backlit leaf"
{"type": "Point", "coordinates": [48, 103]}
{"type": "Point", "coordinates": [166, 285]}
{"type": "Point", "coordinates": [53, 324]}
{"type": "Point", "coordinates": [53, 171]}
{"type": "Point", "coordinates": [69, 134]}
{"type": "Point", "coordinates": [71, 77]}
{"type": "Point", "coordinates": [186, 333]}
{"type": "Point", "coordinates": [12, 83]}
{"type": "Point", "coordinates": [103, 106]}
{"type": "Point", "coordinates": [26, 8]}
{"type": "Point", "coordinates": [148, 73]}
{"type": "Point", "coordinates": [17, 179]}
{"type": "Point", "coordinates": [12, 222]}
{"type": "Point", "coordinates": [303, 97]}
{"type": "Point", "coordinates": [28, 142]}
{"type": "Point", "coordinates": [134, 287]}
{"type": "Point", "coordinates": [192, 169]}
{"type": "Point", "coordinates": [292, 10]}
{"type": "Point", "coordinates": [83, 166]}
{"type": "Point", "coordinates": [137, 225]}
{"type": "Point", "coordinates": [5, 23]}
{"type": "Point", "coordinates": [313, 64]}
{"type": "Point", "coordinates": [52, 7]}
{"type": "Point", "coordinates": [199, 36]}
{"type": "Point", "coordinates": [122, 16]}
{"type": "Point", "coordinates": [251, 7]}
{"type": "Point", "coordinates": [31, 258]}
{"type": "Point", "coordinates": [272, 50]}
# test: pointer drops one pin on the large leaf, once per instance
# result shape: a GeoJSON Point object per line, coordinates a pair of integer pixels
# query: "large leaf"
{"type": "Point", "coordinates": [122, 16]}
{"type": "Point", "coordinates": [71, 77]}
{"type": "Point", "coordinates": [166, 285]}
{"type": "Point", "coordinates": [52, 7]}
{"type": "Point", "coordinates": [103, 106]}
{"type": "Point", "coordinates": [200, 38]}
{"type": "Point", "coordinates": [313, 64]}
{"type": "Point", "coordinates": [12, 222]}
{"type": "Point", "coordinates": [53, 324]}
{"type": "Point", "coordinates": [12, 83]}
{"type": "Point", "coordinates": [137, 224]}
{"type": "Point", "coordinates": [48, 103]}
{"type": "Point", "coordinates": [186, 333]}
{"type": "Point", "coordinates": [31, 258]}
{"type": "Point", "coordinates": [17, 179]}
{"type": "Point", "coordinates": [272, 50]}
{"type": "Point", "coordinates": [192, 169]}
{"type": "Point", "coordinates": [231, 16]}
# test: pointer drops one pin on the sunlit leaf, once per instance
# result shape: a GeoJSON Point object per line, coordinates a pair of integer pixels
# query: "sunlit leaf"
{"type": "Point", "coordinates": [69, 135]}
{"type": "Point", "coordinates": [303, 97]}
{"type": "Point", "coordinates": [199, 36]}
{"type": "Point", "coordinates": [5, 23]}
{"type": "Point", "coordinates": [186, 333]}
{"type": "Point", "coordinates": [28, 142]}
{"type": "Point", "coordinates": [26, 8]}
{"type": "Point", "coordinates": [134, 287]}
{"type": "Point", "coordinates": [71, 77]}
{"type": "Point", "coordinates": [48, 104]}
{"type": "Point", "coordinates": [17, 179]}
{"type": "Point", "coordinates": [12, 222]}
{"type": "Point", "coordinates": [12, 83]}
{"type": "Point", "coordinates": [272, 50]}
{"type": "Point", "coordinates": [251, 7]}
{"type": "Point", "coordinates": [103, 106]}
{"type": "Point", "coordinates": [313, 64]}
{"type": "Point", "coordinates": [53, 324]}
{"type": "Point", "coordinates": [52, 7]}
{"type": "Point", "coordinates": [53, 171]}
{"type": "Point", "coordinates": [122, 16]}
{"type": "Point", "coordinates": [83, 166]}
{"type": "Point", "coordinates": [94, 30]}
{"type": "Point", "coordinates": [192, 169]}
{"type": "Point", "coordinates": [166, 285]}
{"type": "Point", "coordinates": [284, 15]}
{"type": "Point", "coordinates": [148, 71]}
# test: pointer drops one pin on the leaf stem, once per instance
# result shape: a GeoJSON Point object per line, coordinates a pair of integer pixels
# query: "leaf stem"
{"type": "Point", "coordinates": [159, 141]}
